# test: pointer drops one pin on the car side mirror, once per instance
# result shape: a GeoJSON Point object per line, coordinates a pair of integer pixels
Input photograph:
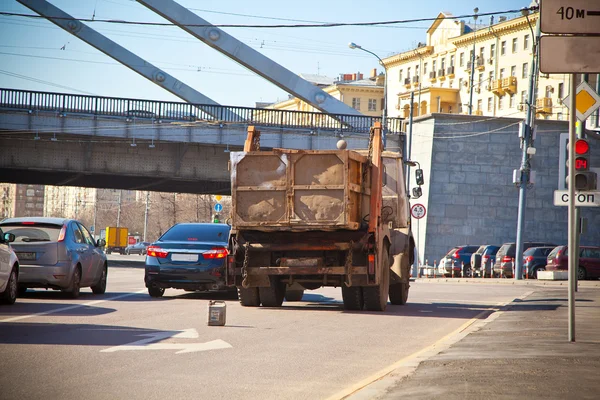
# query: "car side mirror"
{"type": "Point", "coordinates": [9, 237]}
{"type": "Point", "coordinates": [101, 243]}
{"type": "Point", "coordinates": [416, 193]}
{"type": "Point", "coordinates": [419, 176]}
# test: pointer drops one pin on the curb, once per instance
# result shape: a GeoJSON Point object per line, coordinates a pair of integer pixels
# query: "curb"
{"type": "Point", "coordinates": [532, 282]}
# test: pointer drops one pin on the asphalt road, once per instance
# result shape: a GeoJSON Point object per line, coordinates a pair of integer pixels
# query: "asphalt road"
{"type": "Point", "coordinates": [124, 344]}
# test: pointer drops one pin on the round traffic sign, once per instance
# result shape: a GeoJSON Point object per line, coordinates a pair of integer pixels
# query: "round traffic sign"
{"type": "Point", "coordinates": [418, 211]}
{"type": "Point", "coordinates": [218, 207]}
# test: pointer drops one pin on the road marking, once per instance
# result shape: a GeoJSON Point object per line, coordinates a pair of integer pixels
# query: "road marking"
{"type": "Point", "coordinates": [411, 362]}
{"type": "Point", "coordinates": [146, 344]}
{"type": "Point", "coordinates": [91, 303]}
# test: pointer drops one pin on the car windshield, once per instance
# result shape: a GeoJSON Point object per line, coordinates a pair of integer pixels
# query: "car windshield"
{"type": "Point", "coordinates": [506, 249]}
{"type": "Point", "coordinates": [33, 233]}
{"type": "Point", "coordinates": [481, 249]}
{"type": "Point", "coordinates": [531, 251]}
{"type": "Point", "coordinates": [197, 233]}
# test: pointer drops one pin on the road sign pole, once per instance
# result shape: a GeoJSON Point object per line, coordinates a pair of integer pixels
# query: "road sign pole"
{"type": "Point", "coordinates": [572, 247]}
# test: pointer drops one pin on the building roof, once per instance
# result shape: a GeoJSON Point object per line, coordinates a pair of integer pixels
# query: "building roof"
{"type": "Point", "coordinates": [319, 80]}
{"type": "Point", "coordinates": [362, 82]}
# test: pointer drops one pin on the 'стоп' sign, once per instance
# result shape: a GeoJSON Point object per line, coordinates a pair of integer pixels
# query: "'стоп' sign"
{"type": "Point", "coordinates": [582, 199]}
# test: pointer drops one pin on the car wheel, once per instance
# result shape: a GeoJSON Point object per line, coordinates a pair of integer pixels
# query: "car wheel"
{"type": "Point", "coordinates": [272, 295]}
{"type": "Point", "coordinates": [581, 274]}
{"type": "Point", "coordinates": [352, 297]}
{"type": "Point", "coordinates": [74, 289]}
{"type": "Point", "coordinates": [399, 293]}
{"type": "Point", "coordinates": [127, 252]}
{"type": "Point", "coordinates": [156, 291]}
{"type": "Point", "coordinates": [293, 295]}
{"type": "Point", "coordinates": [100, 287]}
{"type": "Point", "coordinates": [10, 293]}
{"type": "Point", "coordinates": [21, 290]}
{"type": "Point", "coordinates": [534, 274]}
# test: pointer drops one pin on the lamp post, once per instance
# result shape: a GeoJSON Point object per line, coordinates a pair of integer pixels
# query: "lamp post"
{"type": "Point", "coordinates": [385, 100]}
{"type": "Point", "coordinates": [475, 11]}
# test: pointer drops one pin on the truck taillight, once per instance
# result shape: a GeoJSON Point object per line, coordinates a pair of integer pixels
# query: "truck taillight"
{"type": "Point", "coordinates": [62, 234]}
{"type": "Point", "coordinates": [506, 259]}
{"type": "Point", "coordinates": [155, 251]}
{"type": "Point", "coordinates": [215, 252]}
{"type": "Point", "coordinates": [371, 259]}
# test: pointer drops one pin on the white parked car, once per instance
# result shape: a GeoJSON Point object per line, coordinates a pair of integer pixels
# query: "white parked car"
{"type": "Point", "coordinates": [9, 269]}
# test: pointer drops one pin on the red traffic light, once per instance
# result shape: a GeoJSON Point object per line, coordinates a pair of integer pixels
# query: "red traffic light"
{"type": "Point", "coordinates": [581, 146]}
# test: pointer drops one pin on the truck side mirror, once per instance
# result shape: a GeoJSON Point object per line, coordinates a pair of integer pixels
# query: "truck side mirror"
{"type": "Point", "coordinates": [419, 176]}
{"type": "Point", "coordinates": [416, 193]}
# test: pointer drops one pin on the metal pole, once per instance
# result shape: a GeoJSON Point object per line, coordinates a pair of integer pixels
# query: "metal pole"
{"type": "Point", "coordinates": [572, 222]}
{"type": "Point", "coordinates": [385, 103]}
{"type": "Point", "coordinates": [525, 166]}
{"type": "Point", "coordinates": [146, 215]}
{"type": "Point", "coordinates": [598, 91]}
{"type": "Point", "coordinates": [472, 66]}
{"type": "Point", "coordinates": [408, 141]}
{"type": "Point", "coordinates": [95, 212]}
{"type": "Point", "coordinates": [119, 210]}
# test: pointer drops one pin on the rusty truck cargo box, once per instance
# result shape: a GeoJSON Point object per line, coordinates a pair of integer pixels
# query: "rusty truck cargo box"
{"type": "Point", "coordinates": [298, 189]}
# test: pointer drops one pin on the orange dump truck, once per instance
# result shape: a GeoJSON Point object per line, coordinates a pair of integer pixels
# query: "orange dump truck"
{"type": "Point", "coordinates": [305, 219]}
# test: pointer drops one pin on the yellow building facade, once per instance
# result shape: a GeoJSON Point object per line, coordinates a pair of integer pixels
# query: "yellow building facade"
{"type": "Point", "coordinates": [438, 73]}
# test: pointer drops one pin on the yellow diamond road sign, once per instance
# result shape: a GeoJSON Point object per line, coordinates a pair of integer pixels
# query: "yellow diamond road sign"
{"type": "Point", "coordinates": [586, 101]}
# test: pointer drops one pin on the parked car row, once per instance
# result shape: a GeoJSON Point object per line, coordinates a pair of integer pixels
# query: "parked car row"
{"type": "Point", "coordinates": [498, 261]}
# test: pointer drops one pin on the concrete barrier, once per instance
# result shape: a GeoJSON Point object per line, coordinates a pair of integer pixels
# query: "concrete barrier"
{"type": "Point", "coordinates": [553, 275]}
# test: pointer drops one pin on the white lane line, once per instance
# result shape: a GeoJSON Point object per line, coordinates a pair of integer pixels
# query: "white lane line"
{"type": "Point", "coordinates": [91, 303]}
{"type": "Point", "coordinates": [409, 363]}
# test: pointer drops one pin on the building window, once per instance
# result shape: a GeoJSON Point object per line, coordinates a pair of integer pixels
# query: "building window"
{"type": "Point", "coordinates": [372, 104]}
{"type": "Point", "coordinates": [443, 64]}
{"type": "Point", "coordinates": [449, 109]}
{"type": "Point", "coordinates": [30, 192]}
{"type": "Point", "coordinates": [356, 103]}
{"type": "Point", "coordinates": [481, 52]}
{"type": "Point", "coordinates": [513, 70]}
{"type": "Point", "coordinates": [502, 72]}
{"type": "Point", "coordinates": [492, 50]}
{"type": "Point", "coordinates": [452, 61]}
{"type": "Point", "coordinates": [525, 70]}
{"type": "Point", "coordinates": [503, 48]}
{"type": "Point", "coordinates": [424, 68]}
{"type": "Point", "coordinates": [490, 104]}
{"type": "Point", "coordinates": [479, 105]}
{"type": "Point", "coordinates": [526, 42]}
{"type": "Point", "coordinates": [417, 71]}
{"type": "Point", "coordinates": [524, 97]}
{"type": "Point", "coordinates": [400, 77]}
{"type": "Point", "coordinates": [433, 64]}
{"type": "Point", "coordinates": [461, 60]}
{"type": "Point", "coordinates": [491, 77]}
{"type": "Point", "coordinates": [512, 101]}
{"type": "Point", "coordinates": [460, 108]}
{"type": "Point", "coordinates": [460, 83]}
{"type": "Point", "coordinates": [559, 116]}
{"type": "Point", "coordinates": [514, 45]}
{"type": "Point", "coordinates": [500, 102]}
{"type": "Point", "coordinates": [561, 87]}
{"type": "Point", "coordinates": [480, 79]}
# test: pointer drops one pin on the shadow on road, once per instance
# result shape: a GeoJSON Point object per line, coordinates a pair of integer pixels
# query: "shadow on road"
{"type": "Point", "coordinates": [19, 309]}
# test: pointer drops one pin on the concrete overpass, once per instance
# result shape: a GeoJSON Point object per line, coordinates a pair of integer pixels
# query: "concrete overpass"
{"type": "Point", "coordinates": [64, 139]}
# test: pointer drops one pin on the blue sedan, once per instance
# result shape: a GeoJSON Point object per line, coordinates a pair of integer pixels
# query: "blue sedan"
{"type": "Point", "coordinates": [189, 256]}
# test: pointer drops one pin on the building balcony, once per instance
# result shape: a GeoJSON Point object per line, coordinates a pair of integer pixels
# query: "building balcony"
{"type": "Point", "coordinates": [432, 76]}
{"type": "Point", "coordinates": [415, 81]}
{"type": "Point", "coordinates": [450, 72]}
{"type": "Point", "coordinates": [441, 74]}
{"type": "Point", "coordinates": [544, 105]}
{"type": "Point", "coordinates": [496, 87]}
{"type": "Point", "coordinates": [407, 83]}
{"type": "Point", "coordinates": [480, 63]}
{"type": "Point", "coordinates": [509, 85]}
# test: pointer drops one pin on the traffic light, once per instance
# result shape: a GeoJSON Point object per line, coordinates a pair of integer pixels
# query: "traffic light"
{"type": "Point", "coordinates": [216, 219]}
{"type": "Point", "coordinates": [584, 178]}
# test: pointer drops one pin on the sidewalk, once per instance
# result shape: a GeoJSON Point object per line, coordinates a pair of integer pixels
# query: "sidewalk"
{"type": "Point", "coordinates": [519, 352]}
{"type": "Point", "coordinates": [509, 281]}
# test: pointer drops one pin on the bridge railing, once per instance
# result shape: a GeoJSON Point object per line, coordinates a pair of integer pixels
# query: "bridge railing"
{"type": "Point", "coordinates": [180, 111]}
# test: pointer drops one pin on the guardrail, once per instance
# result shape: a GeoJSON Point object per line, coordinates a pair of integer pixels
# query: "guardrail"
{"type": "Point", "coordinates": [181, 111]}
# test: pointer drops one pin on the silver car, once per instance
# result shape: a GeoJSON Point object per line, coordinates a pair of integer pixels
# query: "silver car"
{"type": "Point", "coordinates": [9, 269]}
{"type": "Point", "coordinates": [57, 253]}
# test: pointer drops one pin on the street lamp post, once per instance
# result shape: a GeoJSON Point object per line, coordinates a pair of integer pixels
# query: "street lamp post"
{"type": "Point", "coordinates": [475, 11]}
{"type": "Point", "coordinates": [385, 100]}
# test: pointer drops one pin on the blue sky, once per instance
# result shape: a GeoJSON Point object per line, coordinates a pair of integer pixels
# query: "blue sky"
{"type": "Point", "coordinates": [31, 57]}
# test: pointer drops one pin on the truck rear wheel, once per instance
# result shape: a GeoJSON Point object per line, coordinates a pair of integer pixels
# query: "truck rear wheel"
{"type": "Point", "coordinates": [376, 297]}
{"type": "Point", "coordinates": [353, 297]}
{"type": "Point", "coordinates": [248, 297]}
{"type": "Point", "coordinates": [399, 293]}
{"type": "Point", "coordinates": [273, 295]}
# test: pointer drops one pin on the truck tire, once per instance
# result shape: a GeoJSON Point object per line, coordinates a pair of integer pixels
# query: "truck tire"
{"type": "Point", "coordinates": [399, 293]}
{"type": "Point", "coordinates": [376, 297]}
{"type": "Point", "coordinates": [293, 295]}
{"type": "Point", "coordinates": [352, 297]}
{"type": "Point", "coordinates": [272, 296]}
{"type": "Point", "coordinates": [248, 297]}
